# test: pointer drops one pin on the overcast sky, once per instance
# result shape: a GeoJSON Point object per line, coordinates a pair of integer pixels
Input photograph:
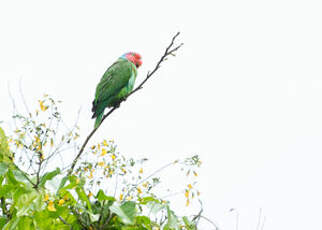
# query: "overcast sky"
{"type": "Point", "coordinates": [245, 91]}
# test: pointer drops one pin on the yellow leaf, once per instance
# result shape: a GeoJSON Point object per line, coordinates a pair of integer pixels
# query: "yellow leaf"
{"type": "Point", "coordinates": [101, 164]}
{"type": "Point", "coordinates": [141, 170]}
{"type": "Point", "coordinates": [65, 197]}
{"type": "Point", "coordinates": [188, 202]}
{"type": "Point", "coordinates": [121, 196]}
{"type": "Point", "coordinates": [103, 152]}
{"type": "Point", "coordinates": [113, 156]}
{"type": "Point", "coordinates": [51, 142]}
{"type": "Point", "coordinates": [90, 194]}
{"type": "Point", "coordinates": [76, 136]}
{"type": "Point", "coordinates": [194, 173]}
{"type": "Point", "coordinates": [189, 186]}
{"type": "Point", "coordinates": [186, 194]}
{"type": "Point", "coordinates": [46, 197]}
{"type": "Point", "coordinates": [105, 143]}
{"type": "Point", "coordinates": [139, 190]}
{"type": "Point", "coordinates": [61, 202]}
{"type": "Point", "coordinates": [51, 206]}
{"type": "Point", "coordinates": [37, 139]}
{"type": "Point", "coordinates": [42, 106]}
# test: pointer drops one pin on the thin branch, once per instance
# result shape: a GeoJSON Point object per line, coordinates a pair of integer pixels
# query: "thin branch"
{"type": "Point", "coordinates": [70, 171]}
{"type": "Point", "coordinates": [23, 97]}
{"type": "Point", "coordinates": [38, 171]}
{"type": "Point", "coordinates": [263, 222]}
{"type": "Point", "coordinates": [210, 221]}
{"type": "Point", "coordinates": [259, 219]}
{"type": "Point", "coordinates": [62, 220]}
{"type": "Point", "coordinates": [169, 51]}
{"type": "Point", "coordinates": [24, 174]}
{"type": "Point", "coordinates": [146, 178]}
{"type": "Point", "coordinates": [14, 108]}
{"type": "Point", "coordinates": [4, 208]}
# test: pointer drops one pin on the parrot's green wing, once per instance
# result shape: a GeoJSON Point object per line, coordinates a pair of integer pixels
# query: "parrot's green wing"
{"type": "Point", "coordinates": [113, 81]}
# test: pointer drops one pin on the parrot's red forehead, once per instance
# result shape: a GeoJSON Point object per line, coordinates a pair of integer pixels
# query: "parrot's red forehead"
{"type": "Point", "coordinates": [135, 58]}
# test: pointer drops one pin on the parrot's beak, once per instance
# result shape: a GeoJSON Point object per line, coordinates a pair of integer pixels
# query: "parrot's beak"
{"type": "Point", "coordinates": [138, 63]}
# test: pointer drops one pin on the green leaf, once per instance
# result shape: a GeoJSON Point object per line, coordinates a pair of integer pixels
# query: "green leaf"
{"type": "Point", "coordinates": [148, 199]}
{"type": "Point", "coordinates": [101, 196]}
{"type": "Point", "coordinates": [11, 178]}
{"type": "Point", "coordinates": [143, 221]}
{"type": "Point", "coordinates": [126, 212]}
{"type": "Point", "coordinates": [173, 222]}
{"type": "Point", "coordinates": [3, 168]}
{"type": "Point", "coordinates": [25, 223]}
{"type": "Point", "coordinates": [155, 207]}
{"type": "Point", "coordinates": [188, 223]}
{"type": "Point", "coordinates": [24, 200]}
{"type": "Point", "coordinates": [48, 176]}
{"type": "Point", "coordinates": [62, 182]}
{"type": "Point", "coordinates": [83, 197]}
{"type": "Point", "coordinates": [12, 224]}
{"type": "Point", "coordinates": [6, 190]}
{"type": "Point", "coordinates": [3, 221]}
{"type": "Point", "coordinates": [5, 154]}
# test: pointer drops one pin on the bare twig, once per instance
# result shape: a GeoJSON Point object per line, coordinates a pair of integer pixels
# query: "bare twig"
{"type": "Point", "coordinates": [210, 221]}
{"type": "Point", "coordinates": [62, 220]}
{"type": "Point", "coordinates": [146, 178]}
{"type": "Point", "coordinates": [263, 222]}
{"type": "Point", "coordinates": [169, 51]}
{"type": "Point", "coordinates": [23, 97]}
{"type": "Point", "coordinates": [14, 108]}
{"type": "Point", "coordinates": [259, 219]}
{"type": "Point", "coordinates": [24, 174]}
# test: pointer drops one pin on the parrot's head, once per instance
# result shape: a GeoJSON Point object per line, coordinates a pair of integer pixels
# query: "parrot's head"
{"type": "Point", "coordinates": [133, 57]}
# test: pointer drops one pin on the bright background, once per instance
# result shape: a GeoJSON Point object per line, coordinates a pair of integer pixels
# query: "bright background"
{"type": "Point", "coordinates": [245, 92]}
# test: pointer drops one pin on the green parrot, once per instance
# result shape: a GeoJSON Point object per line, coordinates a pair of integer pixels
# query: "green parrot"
{"type": "Point", "coordinates": [116, 83]}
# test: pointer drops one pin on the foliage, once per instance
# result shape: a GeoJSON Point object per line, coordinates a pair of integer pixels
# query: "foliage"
{"type": "Point", "coordinates": [106, 191]}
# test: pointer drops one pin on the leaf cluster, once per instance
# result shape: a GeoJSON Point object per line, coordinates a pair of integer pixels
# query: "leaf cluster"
{"type": "Point", "coordinates": [106, 191]}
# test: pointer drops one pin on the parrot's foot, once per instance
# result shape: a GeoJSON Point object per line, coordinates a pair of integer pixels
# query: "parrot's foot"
{"type": "Point", "coordinates": [117, 105]}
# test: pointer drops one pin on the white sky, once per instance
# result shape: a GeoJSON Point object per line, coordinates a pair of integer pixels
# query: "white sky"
{"type": "Point", "coordinates": [245, 92]}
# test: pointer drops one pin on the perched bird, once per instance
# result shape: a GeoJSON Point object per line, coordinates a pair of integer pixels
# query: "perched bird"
{"type": "Point", "coordinates": [116, 83]}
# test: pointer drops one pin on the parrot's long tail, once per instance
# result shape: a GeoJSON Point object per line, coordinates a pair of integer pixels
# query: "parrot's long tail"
{"type": "Point", "coordinates": [98, 120]}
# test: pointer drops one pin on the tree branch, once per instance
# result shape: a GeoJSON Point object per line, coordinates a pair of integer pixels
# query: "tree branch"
{"type": "Point", "coordinates": [4, 208]}
{"type": "Point", "coordinates": [170, 50]}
